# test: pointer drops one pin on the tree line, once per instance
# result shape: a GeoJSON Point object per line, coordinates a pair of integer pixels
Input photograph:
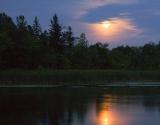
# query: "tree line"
{"type": "Point", "coordinates": [29, 47]}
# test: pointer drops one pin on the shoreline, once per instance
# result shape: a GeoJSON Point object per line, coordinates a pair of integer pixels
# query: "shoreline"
{"type": "Point", "coordinates": [82, 78]}
{"type": "Point", "coordinates": [107, 85]}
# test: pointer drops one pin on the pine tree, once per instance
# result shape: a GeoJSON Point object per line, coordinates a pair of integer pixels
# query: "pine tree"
{"type": "Point", "coordinates": [56, 41]}
{"type": "Point", "coordinates": [69, 39]}
{"type": "Point", "coordinates": [36, 29]}
{"type": "Point", "coordinates": [82, 41]}
{"type": "Point", "coordinates": [45, 39]}
{"type": "Point", "coordinates": [7, 29]}
{"type": "Point", "coordinates": [21, 22]}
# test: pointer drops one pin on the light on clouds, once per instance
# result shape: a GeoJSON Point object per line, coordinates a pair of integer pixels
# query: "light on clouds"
{"type": "Point", "coordinates": [113, 29]}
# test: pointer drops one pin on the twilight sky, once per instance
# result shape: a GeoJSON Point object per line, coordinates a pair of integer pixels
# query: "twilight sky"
{"type": "Point", "coordinates": [128, 22]}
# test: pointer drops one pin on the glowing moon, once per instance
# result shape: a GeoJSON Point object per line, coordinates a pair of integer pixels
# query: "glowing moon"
{"type": "Point", "coordinates": [106, 24]}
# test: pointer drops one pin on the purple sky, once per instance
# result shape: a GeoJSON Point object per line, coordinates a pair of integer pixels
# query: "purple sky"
{"type": "Point", "coordinates": [128, 22]}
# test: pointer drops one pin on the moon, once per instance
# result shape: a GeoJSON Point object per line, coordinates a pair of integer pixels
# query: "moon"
{"type": "Point", "coordinates": [106, 24]}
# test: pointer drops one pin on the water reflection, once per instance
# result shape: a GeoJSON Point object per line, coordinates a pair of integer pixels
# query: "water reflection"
{"type": "Point", "coordinates": [79, 107]}
{"type": "Point", "coordinates": [109, 112]}
{"type": "Point", "coordinates": [104, 118]}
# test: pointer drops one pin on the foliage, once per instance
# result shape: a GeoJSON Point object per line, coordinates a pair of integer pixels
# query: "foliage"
{"type": "Point", "coordinates": [29, 47]}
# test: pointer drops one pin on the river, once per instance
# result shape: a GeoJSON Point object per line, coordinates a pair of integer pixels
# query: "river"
{"type": "Point", "coordinates": [79, 106]}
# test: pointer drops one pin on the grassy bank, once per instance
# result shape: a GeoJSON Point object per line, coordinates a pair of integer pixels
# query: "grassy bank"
{"type": "Point", "coordinates": [56, 77]}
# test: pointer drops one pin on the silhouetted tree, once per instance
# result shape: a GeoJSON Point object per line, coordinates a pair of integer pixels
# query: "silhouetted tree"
{"type": "Point", "coordinates": [7, 37]}
{"type": "Point", "coordinates": [36, 29]}
{"type": "Point", "coordinates": [69, 38]}
{"type": "Point", "coordinates": [7, 30]}
{"type": "Point", "coordinates": [45, 39]}
{"type": "Point", "coordinates": [82, 41]}
{"type": "Point", "coordinates": [80, 53]}
{"type": "Point", "coordinates": [56, 41]}
{"type": "Point", "coordinates": [99, 56]}
{"type": "Point", "coordinates": [27, 46]}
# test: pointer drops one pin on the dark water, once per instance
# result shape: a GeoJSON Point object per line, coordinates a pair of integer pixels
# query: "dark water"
{"type": "Point", "coordinates": [79, 106]}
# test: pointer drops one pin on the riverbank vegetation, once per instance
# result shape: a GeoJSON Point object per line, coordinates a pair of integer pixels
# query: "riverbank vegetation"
{"type": "Point", "coordinates": [75, 77]}
{"type": "Point", "coordinates": [27, 46]}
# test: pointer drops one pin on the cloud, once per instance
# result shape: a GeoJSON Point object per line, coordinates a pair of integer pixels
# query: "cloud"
{"type": "Point", "coordinates": [143, 19]}
{"type": "Point", "coordinates": [118, 29]}
{"type": "Point", "coordinates": [84, 6]}
{"type": "Point", "coordinates": [67, 9]}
